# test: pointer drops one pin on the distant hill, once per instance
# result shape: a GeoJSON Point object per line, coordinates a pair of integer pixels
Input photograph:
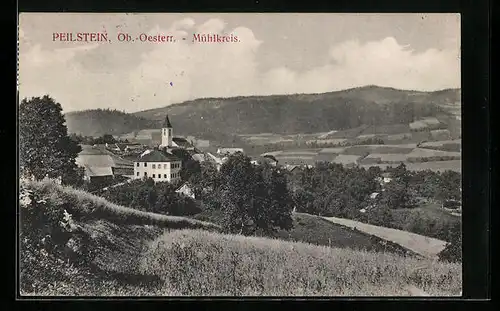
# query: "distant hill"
{"type": "Point", "coordinates": [97, 122]}
{"type": "Point", "coordinates": [282, 114]}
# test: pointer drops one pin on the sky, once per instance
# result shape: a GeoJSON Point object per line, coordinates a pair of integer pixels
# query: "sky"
{"type": "Point", "coordinates": [285, 53]}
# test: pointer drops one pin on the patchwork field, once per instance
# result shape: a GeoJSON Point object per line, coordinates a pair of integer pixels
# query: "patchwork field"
{"type": "Point", "coordinates": [435, 155]}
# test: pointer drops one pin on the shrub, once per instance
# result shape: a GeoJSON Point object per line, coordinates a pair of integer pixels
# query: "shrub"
{"type": "Point", "coordinates": [48, 237]}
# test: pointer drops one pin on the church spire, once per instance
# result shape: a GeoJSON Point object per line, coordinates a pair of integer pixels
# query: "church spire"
{"type": "Point", "coordinates": [166, 123]}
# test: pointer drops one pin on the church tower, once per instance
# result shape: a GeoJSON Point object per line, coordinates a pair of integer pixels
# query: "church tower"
{"type": "Point", "coordinates": [166, 133]}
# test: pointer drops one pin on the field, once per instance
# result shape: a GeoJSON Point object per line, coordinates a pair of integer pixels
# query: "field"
{"type": "Point", "coordinates": [315, 230]}
{"type": "Point", "coordinates": [425, 246]}
{"type": "Point", "coordinates": [438, 166]}
{"type": "Point", "coordinates": [142, 254]}
{"type": "Point", "coordinates": [196, 263]}
{"type": "Point", "coordinates": [436, 156]}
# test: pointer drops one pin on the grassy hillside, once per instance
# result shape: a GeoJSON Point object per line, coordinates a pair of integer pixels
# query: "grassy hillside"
{"type": "Point", "coordinates": [138, 253]}
{"type": "Point", "coordinates": [282, 114]}
{"type": "Point", "coordinates": [423, 245]}
{"type": "Point", "coordinates": [318, 231]}
{"type": "Point", "coordinates": [197, 263]}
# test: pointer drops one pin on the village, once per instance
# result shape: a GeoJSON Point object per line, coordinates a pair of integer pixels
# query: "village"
{"type": "Point", "coordinates": [113, 164]}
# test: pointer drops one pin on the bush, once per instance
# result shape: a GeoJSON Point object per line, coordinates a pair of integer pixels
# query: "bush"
{"type": "Point", "coordinates": [48, 237]}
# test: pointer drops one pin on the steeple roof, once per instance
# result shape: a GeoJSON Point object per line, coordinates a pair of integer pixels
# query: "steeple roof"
{"type": "Point", "coordinates": [166, 123]}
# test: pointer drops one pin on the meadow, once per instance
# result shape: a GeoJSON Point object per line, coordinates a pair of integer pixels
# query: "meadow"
{"type": "Point", "coordinates": [198, 263]}
{"type": "Point", "coordinates": [144, 254]}
{"type": "Point", "coordinates": [423, 245]}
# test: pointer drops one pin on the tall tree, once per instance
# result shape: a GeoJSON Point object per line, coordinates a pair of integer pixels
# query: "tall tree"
{"type": "Point", "coordinates": [45, 148]}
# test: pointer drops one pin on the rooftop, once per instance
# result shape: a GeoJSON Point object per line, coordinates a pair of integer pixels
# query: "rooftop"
{"type": "Point", "coordinates": [167, 123]}
{"type": "Point", "coordinates": [157, 156]}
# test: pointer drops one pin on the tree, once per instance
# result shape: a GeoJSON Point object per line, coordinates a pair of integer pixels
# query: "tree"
{"type": "Point", "coordinates": [453, 250]}
{"type": "Point", "coordinates": [276, 210]}
{"type": "Point", "coordinates": [44, 145]}
{"type": "Point", "coordinates": [252, 198]}
{"type": "Point", "coordinates": [396, 195]}
{"type": "Point", "coordinates": [449, 186]}
{"type": "Point", "coordinates": [190, 168]}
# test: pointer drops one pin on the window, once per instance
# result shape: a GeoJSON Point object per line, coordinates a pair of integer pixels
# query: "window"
{"type": "Point", "coordinates": [154, 166]}
{"type": "Point", "coordinates": [153, 175]}
{"type": "Point", "coordinates": [145, 174]}
{"type": "Point", "coordinates": [165, 167]}
{"type": "Point", "coordinates": [137, 173]}
{"type": "Point", "coordinates": [159, 175]}
{"type": "Point", "coordinates": [137, 164]}
{"type": "Point", "coordinates": [164, 175]}
{"type": "Point", "coordinates": [145, 164]}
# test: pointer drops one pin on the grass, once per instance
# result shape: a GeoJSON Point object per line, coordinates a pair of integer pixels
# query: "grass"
{"type": "Point", "coordinates": [83, 205]}
{"type": "Point", "coordinates": [193, 262]}
{"type": "Point", "coordinates": [319, 231]}
{"type": "Point", "coordinates": [425, 246]}
{"type": "Point", "coordinates": [346, 159]}
{"type": "Point", "coordinates": [431, 216]}
{"type": "Point", "coordinates": [141, 254]}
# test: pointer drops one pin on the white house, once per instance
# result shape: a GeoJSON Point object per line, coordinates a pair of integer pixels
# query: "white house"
{"type": "Point", "coordinates": [158, 165]}
{"type": "Point", "coordinates": [186, 190]}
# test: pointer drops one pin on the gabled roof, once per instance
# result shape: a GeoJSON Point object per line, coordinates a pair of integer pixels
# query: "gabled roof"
{"type": "Point", "coordinates": [98, 171]}
{"type": "Point", "coordinates": [167, 123]}
{"type": "Point", "coordinates": [157, 156]}
{"type": "Point", "coordinates": [181, 142]}
{"type": "Point", "coordinates": [187, 184]}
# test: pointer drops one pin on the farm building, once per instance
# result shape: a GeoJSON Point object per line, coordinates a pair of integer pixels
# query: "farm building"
{"type": "Point", "coordinates": [102, 165]}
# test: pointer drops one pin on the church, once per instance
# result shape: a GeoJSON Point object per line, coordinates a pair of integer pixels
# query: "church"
{"type": "Point", "coordinates": [159, 163]}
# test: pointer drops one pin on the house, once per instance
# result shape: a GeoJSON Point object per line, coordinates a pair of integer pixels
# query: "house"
{"type": "Point", "coordinates": [132, 147]}
{"type": "Point", "coordinates": [101, 165]}
{"type": "Point", "coordinates": [214, 159]}
{"type": "Point", "coordinates": [383, 180]}
{"type": "Point", "coordinates": [182, 143]}
{"type": "Point", "coordinates": [229, 151]}
{"type": "Point", "coordinates": [158, 165]}
{"type": "Point", "coordinates": [186, 189]}
{"type": "Point", "coordinates": [98, 175]}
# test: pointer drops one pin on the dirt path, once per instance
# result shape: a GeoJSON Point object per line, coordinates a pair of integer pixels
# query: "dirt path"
{"type": "Point", "coordinates": [425, 246]}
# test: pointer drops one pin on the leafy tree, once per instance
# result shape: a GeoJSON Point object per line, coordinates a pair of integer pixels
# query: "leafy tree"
{"type": "Point", "coordinates": [252, 199]}
{"type": "Point", "coordinates": [396, 195]}
{"type": "Point", "coordinates": [449, 187]}
{"type": "Point", "coordinates": [453, 250]}
{"type": "Point", "coordinates": [190, 169]}
{"type": "Point", "coordinates": [44, 145]}
{"type": "Point", "coordinates": [381, 216]}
